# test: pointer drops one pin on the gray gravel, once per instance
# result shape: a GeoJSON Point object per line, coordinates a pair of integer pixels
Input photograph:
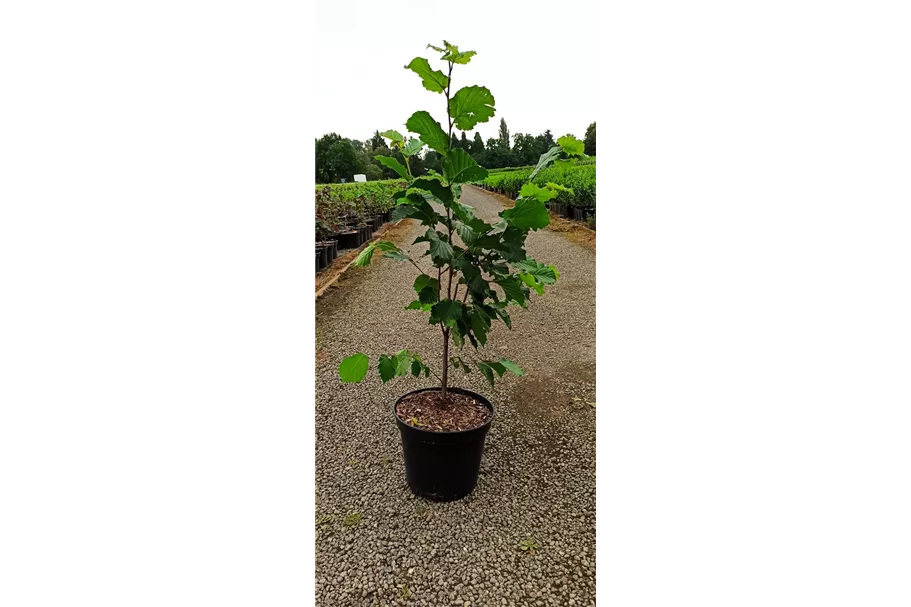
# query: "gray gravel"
{"type": "Point", "coordinates": [538, 472]}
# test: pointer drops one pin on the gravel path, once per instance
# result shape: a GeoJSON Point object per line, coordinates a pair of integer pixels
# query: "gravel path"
{"type": "Point", "coordinates": [538, 472]}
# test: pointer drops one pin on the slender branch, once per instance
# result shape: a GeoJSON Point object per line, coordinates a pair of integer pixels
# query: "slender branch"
{"type": "Point", "coordinates": [417, 266]}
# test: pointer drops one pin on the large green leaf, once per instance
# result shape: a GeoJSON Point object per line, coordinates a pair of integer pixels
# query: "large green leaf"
{"type": "Point", "coordinates": [530, 190]}
{"type": "Point", "coordinates": [412, 147]}
{"type": "Point", "coordinates": [365, 256]}
{"type": "Point", "coordinates": [529, 213]}
{"type": "Point", "coordinates": [417, 208]}
{"type": "Point", "coordinates": [471, 105]}
{"type": "Point", "coordinates": [486, 370]}
{"type": "Point", "coordinates": [459, 167]}
{"type": "Point", "coordinates": [511, 366]}
{"type": "Point", "coordinates": [440, 250]}
{"type": "Point", "coordinates": [467, 235]}
{"type": "Point", "coordinates": [393, 136]}
{"type": "Point", "coordinates": [402, 362]}
{"type": "Point", "coordinates": [512, 288]}
{"type": "Point", "coordinates": [446, 311]}
{"type": "Point", "coordinates": [354, 368]}
{"type": "Point", "coordinates": [545, 159]}
{"type": "Point", "coordinates": [433, 80]}
{"type": "Point", "coordinates": [571, 145]}
{"type": "Point", "coordinates": [431, 132]}
{"type": "Point", "coordinates": [533, 283]}
{"type": "Point", "coordinates": [423, 280]}
{"type": "Point", "coordinates": [544, 273]}
{"type": "Point", "coordinates": [480, 325]}
{"type": "Point", "coordinates": [435, 187]}
{"type": "Point", "coordinates": [386, 368]}
{"type": "Point", "coordinates": [393, 164]}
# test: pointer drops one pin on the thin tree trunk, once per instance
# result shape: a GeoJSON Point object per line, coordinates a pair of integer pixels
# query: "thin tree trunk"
{"type": "Point", "coordinates": [445, 362]}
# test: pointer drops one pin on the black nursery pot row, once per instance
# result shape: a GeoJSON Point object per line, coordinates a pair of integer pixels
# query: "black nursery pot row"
{"type": "Point", "coordinates": [351, 237]}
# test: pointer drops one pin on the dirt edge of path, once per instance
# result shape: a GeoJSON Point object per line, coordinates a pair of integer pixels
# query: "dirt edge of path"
{"type": "Point", "coordinates": [573, 230]}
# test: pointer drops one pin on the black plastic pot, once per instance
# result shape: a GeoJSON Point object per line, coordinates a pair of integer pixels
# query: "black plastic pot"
{"type": "Point", "coordinates": [348, 240]}
{"type": "Point", "coordinates": [320, 258]}
{"type": "Point", "coordinates": [578, 214]}
{"type": "Point", "coordinates": [443, 466]}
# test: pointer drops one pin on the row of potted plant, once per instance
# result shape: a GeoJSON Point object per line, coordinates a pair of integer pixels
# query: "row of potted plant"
{"type": "Point", "coordinates": [341, 226]}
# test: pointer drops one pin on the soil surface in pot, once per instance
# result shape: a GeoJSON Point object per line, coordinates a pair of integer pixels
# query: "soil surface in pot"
{"type": "Point", "coordinates": [429, 411]}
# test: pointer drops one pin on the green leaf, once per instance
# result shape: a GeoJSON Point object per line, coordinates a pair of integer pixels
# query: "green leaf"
{"type": "Point", "coordinates": [431, 132]}
{"type": "Point", "coordinates": [530, 190]}
{"type": "Point", "coordinates": [486, 370]}
{"type": "Point", "coordinates": [446, 311]}
{"type": "Point", "coordinates": [417, 305]}
{"type": "Point", "coordinates": [545, 159]}
{"type": "Point", "coordinates": [480, 325]}
{"type": "Point", "coordinates": [544, 273]}
{"type": "Point", "coordinates": [557, 186]}
{"type": "Point", "coordinates": [532, 282]}
{"type": "Point", "coordinates": [467, 235]}
{"type": "Point", "coordinates": [423, 280]}
{"type": "Point", "coordinates": [470, 106]}
{"type": "Point", "coordinates": [440, 250]}
{"type": "Point", "coordinates": [504, 315]}
{"type": "Point", "coordinates": [412, 147]}
{"type": "Point", "coordinates": [512, 367]}
{"type": "Point", "coordinates": [499, 368]}
{"type": "Point", "coordinates": [459, 167]}
{"type": "Point", "coordinates": [435, 187]}
{"type": "Point", "coordinates": [418, 209]}
{"type": "Point", "coordinates": [512, 289]}
{"type": "Point", "coordinates": [452, 53]}
{"type": "Point", "coordinates": [354, 368]}
{"type": "Point", "coordinates": [386, 368]}
{"type": "Point", "coordinates": [403, 360]}
{"type": "Point", "coordinates": [364, 258]}
{"type": "Point", "coordinates": [433, 80]}
{"type": "Point", "coordinates": [416, 368]}
{"type": "Point", "coordinates": [397, 255]}
{"type": "Point", "coordinates": [393, 136]}
{"type": "Point", "coordinates": [393, 164]}
{"type": "Point", "coordinates": [571, 145]}
{"type": "Point", "coordinates": [529, 213]}
{"type": "Point", "coordinates": [429, 295]}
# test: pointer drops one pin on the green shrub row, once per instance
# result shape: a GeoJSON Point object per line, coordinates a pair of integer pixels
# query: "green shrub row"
{"type": "Point", "coordinates": [379, 193]}
{"type": "Point", "coordinates": [580, 178]}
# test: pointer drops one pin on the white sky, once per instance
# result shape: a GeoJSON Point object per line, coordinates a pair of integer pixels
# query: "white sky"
{"type": "Point", "coordinates": [537, 59]}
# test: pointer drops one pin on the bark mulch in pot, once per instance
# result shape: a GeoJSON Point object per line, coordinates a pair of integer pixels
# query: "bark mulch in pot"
{"type": "Point", "coordinates": [428, 411]}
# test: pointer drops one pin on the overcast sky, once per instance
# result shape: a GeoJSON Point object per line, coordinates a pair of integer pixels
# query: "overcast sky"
{"type": "Point", "coordinates": [536, 59]}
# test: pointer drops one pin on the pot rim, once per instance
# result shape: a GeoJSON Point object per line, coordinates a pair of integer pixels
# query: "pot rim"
{"type": "Point", "coordinates": [477, 396]}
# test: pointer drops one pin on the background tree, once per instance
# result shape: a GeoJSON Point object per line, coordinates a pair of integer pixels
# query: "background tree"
{"type": "Point", "coordinates": [590, 140]}
{"type": "Point", "coordinates": [477, 146]}
{"type": "Point", "coordinates": [377, 141]}
{"type": "Point", "coordinates": [463, 142]}
{"type": "Point", "coordinates": [504, 133]}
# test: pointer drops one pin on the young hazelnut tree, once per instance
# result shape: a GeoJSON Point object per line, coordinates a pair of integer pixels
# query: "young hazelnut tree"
{"type": "Point", "coordinates": [459, 292]}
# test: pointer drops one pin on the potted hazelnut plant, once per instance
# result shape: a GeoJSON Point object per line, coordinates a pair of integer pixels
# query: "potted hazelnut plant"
{"type": "Point", "coordinates": [476, 271]}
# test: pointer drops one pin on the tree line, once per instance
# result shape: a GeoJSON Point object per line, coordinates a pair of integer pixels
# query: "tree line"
{"type": "Point", "coordinates": [340, 158]}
